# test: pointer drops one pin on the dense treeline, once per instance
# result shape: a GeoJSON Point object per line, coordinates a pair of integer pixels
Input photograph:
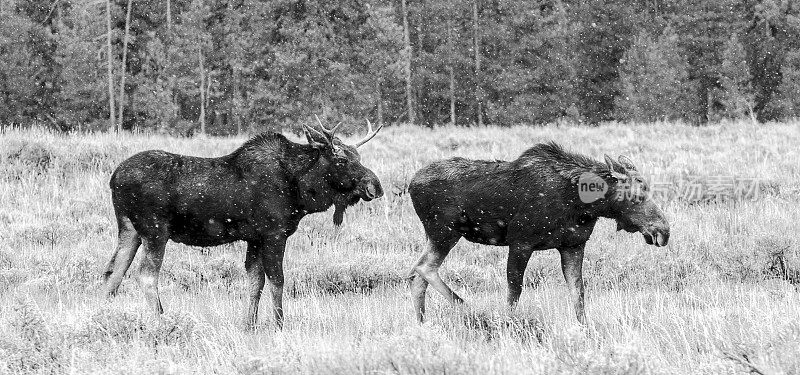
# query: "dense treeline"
{"type": "Point", "coordinates": [227, 66]}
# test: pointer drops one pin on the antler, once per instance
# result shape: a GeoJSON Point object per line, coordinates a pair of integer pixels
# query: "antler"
{"type": "Point", "coordinates": [316, 134]}
{"type": "Point", "coordinates": [370, 135]}
{"type": "Point", "coordinates": [326, 131]}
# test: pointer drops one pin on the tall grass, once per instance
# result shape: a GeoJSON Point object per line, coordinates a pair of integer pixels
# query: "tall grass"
{"type": "Point", "coordinates": [721, 298]}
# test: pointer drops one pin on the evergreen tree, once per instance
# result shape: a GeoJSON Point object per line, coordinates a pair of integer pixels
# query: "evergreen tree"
{"type": "Point", "coordinates": [235, 43]}
{"type": "Point", "coordinates": [188, 62]}
{"type": "Point", "coordinates": [83, 95]}
{"type": "Point", "coordinates": [704, 28]}
{"type": "Point", "coordinates": [653, 80]}
{"type": "Point", "coordinates": [156, 94]}
{"type": "Point", "coordinates": [445, 44]}
{"type": "Point", "coordinates": [240, 65]}
{"type": "Point", "coordinates": [28, 72]}
{"type": "Point", "coordinates": [786, 102]}
{"type": "Point", "coordinates": [379, 66]}
{"type": "Point", "coordinates": [605, 30]}
{"type": "Point", "coordinates": [738, 98]}
{"type": "Point", "coordinates": [773, 29]}
{"type": "Point", "coordinates": [533, 71]}
{"type": "Point", "coordinates": [19, 65]}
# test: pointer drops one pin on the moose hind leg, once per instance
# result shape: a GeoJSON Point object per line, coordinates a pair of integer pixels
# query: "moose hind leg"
{"type": "Point", "coordinates": [127, 244]}
{"type": "Point", "coordinates": [572, 267]}
{"type": "Point", "coordinates": [150, 268]}
{"type": "Point", "coordinates": [418, 288]}
{"type": "Point", "coordinates": [428, 269]}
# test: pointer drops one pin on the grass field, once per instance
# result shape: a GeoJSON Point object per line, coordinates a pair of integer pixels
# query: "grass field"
{"type": "Point", "coordinates": [721, 298]}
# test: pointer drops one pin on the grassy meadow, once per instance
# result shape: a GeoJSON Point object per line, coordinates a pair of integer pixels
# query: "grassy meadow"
{"type": "Point", "coordinates": [721, 298]}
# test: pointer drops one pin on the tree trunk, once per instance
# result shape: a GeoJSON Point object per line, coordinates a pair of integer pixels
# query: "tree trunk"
{"type": "Point", "coordinates": [238, 124]}
{"type": "Point", "coordinates": [477, 38]}
{"type": "Point", "coordinates": [450, 69]}
{"type": "Point", "coordinates": [202, 117]}
{"type": "Point", "coordinates": [380, 102]}
{"type": "Point", "coordinates": [111, 116]}
{"type": "Point", "coordinates": [124, 62]}
{"type": "Point", "coordinates": [452, 97]}
{"type": "Point", "coordinates": [169, 15]}
{"type": "Point", "coordinates": [235, 62]}
{"type": "Point", "coordinates": [751, 112]}
{"type": "Point", "coordinates": [408, 52]}
{"type": "Point", "coordinates": [237, 99]}
{"type": "Point", "coordinates": [208, 89]}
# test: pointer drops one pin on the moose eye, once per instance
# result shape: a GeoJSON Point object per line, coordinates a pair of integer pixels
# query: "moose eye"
{"type": "Point", "coordinates": [641, 185]}
{"type": "Point", "coordinates": [640, 182]}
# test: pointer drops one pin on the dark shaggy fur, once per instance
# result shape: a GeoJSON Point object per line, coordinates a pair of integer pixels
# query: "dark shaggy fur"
{"type": "Point", "coordinates": [258, 194]}
{"type": "Point", "coordinates": [529, 204]}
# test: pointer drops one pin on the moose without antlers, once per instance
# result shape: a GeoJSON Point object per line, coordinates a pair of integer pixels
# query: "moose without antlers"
{"type": "Point", "coordinates": [532, 203]}
{"type": "Point", "coordinates": [258, 194]}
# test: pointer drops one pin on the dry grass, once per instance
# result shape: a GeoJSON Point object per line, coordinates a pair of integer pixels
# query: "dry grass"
{"type": "Point", "coordinates": [721, 298]}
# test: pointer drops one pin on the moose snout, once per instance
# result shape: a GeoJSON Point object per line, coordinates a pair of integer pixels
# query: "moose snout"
{"type": "Point", "coordinates": [658, 236]}
{"type": "Point", "coordinates": [662, 237]}
{"type": "Point", "coordinates": [371, 189]}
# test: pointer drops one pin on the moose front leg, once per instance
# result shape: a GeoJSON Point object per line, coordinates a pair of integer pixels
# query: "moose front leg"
{"type": "Point", "coordinates": [518, 256]}
{"type": "Point", "coordinates": [254, 267]}
{"type": "Point", "coordinates": [273, 266]}
{"type": "Point", "coordinates": [264, 262]}
{"type": "Point", "coordinates": [572, 267]}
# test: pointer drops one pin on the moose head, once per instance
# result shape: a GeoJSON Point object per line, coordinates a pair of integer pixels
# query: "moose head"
{"type": "Point", "coordinates": [631, 205]}
{"type": "Point", "coordinates": [341, 170]}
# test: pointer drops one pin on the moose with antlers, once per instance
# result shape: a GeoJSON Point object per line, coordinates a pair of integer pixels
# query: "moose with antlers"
{"type": "Point", "coordinates": [257, 194]}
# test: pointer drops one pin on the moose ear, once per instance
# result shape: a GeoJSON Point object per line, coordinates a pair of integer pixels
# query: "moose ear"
{"type": "Point", "coordinates": [626, 162]}
{"type": "Point", "coordinates": [613, 165]}
{"type": "Point", "coordinates": [616, 170]}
